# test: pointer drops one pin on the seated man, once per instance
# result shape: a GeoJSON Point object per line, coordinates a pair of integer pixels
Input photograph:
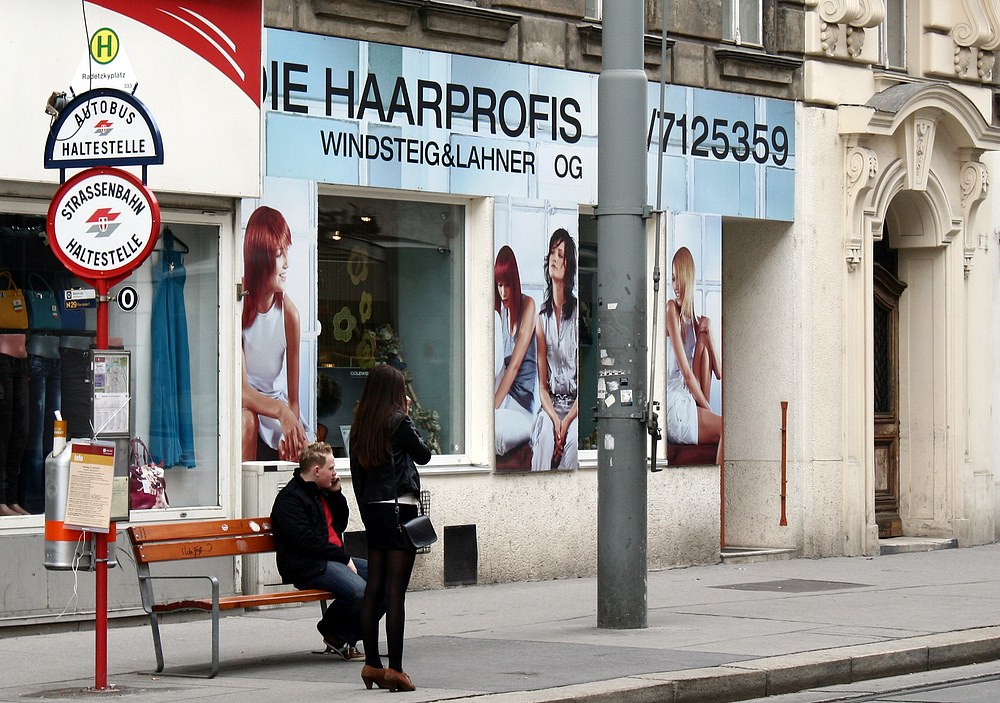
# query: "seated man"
{"type": "Point", "coordinates": [309, 517]}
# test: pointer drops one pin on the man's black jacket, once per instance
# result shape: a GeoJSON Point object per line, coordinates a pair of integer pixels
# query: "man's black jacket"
{"type": "Point", "coordinates": [301, 538]}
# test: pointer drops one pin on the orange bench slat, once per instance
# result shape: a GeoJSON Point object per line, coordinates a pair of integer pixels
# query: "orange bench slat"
{"type": "Point", "coordinates": [199, 530]}
{"type": "Point", "coordinates": [250, 601]}
{"type": "Point", "coordinates": [150, 552]}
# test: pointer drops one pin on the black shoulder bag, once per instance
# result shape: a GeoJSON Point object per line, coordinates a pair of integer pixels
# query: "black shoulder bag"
{"type": "Point", "coordinates": [418, 532]}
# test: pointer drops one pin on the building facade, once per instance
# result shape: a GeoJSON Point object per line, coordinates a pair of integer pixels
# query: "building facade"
{"type": "Point", "coordinates": [825, 165]}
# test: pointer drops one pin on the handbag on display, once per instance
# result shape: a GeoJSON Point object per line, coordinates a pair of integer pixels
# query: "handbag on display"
{"type": "Point", "coordinates": [72, 314]}
{"type": "Point", "coordinates": [43, 310]}
{"type": "Point", "coordinates": [147, 484]}
{"type": "Point", "coordinates": [13, 310]}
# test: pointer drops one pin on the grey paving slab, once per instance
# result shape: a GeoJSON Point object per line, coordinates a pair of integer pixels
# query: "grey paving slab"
{"type": "Point", "coordinates": [716, 633]}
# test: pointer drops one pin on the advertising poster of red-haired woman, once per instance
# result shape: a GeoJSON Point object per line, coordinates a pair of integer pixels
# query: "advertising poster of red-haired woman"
{"type": "Point", "coordinates": [274, 419]}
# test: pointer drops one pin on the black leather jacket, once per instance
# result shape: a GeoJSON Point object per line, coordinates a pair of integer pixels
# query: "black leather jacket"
{"type": "Point", "coordinates": [392, 478]}
{"type": "Point", "coordinates": [301, 536]}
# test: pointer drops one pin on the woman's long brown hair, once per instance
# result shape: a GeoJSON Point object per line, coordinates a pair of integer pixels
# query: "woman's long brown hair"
{"type": "Point", "coordinates": [383, 394]}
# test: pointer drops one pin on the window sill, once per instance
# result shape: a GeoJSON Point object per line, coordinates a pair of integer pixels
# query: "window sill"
{"type": "Point", "coordinates": [33, 524]}
{"type": "Point", "coordinates": [755, 65]}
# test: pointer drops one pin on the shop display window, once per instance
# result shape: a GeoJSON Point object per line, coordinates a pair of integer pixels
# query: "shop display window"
{"type": "Point", "coordinates": [391, 290]}
{"type": "Point", "coordinates": [172, 333]}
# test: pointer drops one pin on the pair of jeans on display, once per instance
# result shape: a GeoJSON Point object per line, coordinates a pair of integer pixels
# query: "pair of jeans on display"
{"type": "Point", "coordinates": [75, 385]}
{"type": "Point", "coordinates": [13, 424]}
{"type": "Point", "coordinates": [44, 392]}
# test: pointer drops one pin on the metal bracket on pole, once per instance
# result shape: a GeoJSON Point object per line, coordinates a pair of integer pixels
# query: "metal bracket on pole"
{"type": "Point", "coordinates": [652, 421]}
{"type": "Point", "coordinates": [645, 212]}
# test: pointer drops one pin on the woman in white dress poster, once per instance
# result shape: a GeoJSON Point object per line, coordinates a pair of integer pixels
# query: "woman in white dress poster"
{"type": "Point", "coordinates": [692, 361]}
{"type": "Point", "coordinates": [272, 426]}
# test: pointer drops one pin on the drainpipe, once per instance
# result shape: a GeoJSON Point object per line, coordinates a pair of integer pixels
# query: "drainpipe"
{"type": "Point", "coordinates": [784, 461]}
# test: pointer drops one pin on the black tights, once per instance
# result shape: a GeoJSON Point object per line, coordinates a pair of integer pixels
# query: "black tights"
{"type": "Point", "coordinates": [388, 577]}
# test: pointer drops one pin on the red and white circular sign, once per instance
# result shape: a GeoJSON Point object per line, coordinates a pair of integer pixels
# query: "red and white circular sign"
{"type": "Point", "coordinates": [103, 223]}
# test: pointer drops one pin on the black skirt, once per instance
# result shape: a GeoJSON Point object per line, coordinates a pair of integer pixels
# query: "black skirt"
{"type": "Point", "coordinates": [381, 528]}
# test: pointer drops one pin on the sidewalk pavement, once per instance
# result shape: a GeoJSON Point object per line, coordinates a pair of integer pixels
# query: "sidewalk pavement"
{"type": "Point", "coordinates": [716, 633]}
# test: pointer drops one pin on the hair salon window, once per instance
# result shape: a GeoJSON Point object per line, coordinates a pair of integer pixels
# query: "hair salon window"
{"type": "Point", "coordinates": [172, 334]}
{"type": "Point", "coordinates": [391, 291]}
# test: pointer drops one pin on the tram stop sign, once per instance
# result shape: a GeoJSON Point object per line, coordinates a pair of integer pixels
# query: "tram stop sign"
{"type": "Point", "coordinates": [102, 224]}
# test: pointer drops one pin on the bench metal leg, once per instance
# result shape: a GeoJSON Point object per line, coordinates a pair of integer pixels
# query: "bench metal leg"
{"type": "Point", "coordinates": [157, 646]}
{"type": "Point", "coordinates": [215, 629]}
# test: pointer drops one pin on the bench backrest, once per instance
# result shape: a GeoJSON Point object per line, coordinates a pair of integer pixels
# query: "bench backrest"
{"type": "Point", "coordinates": [193, 540]}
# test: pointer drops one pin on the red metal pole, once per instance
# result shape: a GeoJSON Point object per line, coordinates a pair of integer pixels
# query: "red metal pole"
{"type": "Point", "coordinates": [101, 548]}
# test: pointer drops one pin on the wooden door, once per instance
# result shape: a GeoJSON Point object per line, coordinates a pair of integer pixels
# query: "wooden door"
{"type": "Point", "coordinates": [887, 290]}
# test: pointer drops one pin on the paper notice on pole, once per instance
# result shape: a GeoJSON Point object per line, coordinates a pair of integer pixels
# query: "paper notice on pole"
{"type": "Point", "coordinates": [88, 496]}
{"type": "Point", "coordinates": [111, 392]}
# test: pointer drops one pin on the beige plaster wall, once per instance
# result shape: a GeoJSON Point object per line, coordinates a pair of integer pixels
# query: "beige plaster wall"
{"type": "Point", "coordinates": [785, 318]}
{"type": "Point", "coordinates": [543, 526]}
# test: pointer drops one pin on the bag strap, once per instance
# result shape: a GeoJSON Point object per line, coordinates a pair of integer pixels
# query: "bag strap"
{"type": "Point", "coordinates": [140, 452]}
{"type": "Point", "coordinates": [395, 491]}
{"type": "Point", "coordinates": [45, 284]}
{"type": "Point", "coordinates": [10, 280]}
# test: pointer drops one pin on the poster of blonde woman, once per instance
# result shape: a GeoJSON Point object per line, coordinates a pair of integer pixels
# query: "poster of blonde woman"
{"type": "Point", "coordinates": [693, 350]}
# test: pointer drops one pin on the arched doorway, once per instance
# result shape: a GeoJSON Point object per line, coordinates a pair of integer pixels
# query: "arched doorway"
{"type": "Point", "coordinates": [915, 180]}
{"type": "Point", "coordinates": [886, 291]}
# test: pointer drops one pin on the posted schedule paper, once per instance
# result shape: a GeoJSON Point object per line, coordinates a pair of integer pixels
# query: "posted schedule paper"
{"type": "Point", "coordinates": [91, 476]}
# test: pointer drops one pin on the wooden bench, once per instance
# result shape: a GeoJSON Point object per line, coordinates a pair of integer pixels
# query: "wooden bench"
{"type": "Point", "coordinates": [195, 540]}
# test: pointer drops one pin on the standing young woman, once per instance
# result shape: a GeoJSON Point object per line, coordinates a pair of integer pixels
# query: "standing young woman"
{"type": "Point", "coordinates": [272, 427]}
{"type": "Point", "coordinates": [514, 397]}
{"type": "Point", "coordinates": [384, 444]}
{"type": "Point", "coordinates": [691, 364]}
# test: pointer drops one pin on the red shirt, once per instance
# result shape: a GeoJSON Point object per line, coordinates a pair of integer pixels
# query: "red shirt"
{"type": "Point", "coordinates": [334, 537]}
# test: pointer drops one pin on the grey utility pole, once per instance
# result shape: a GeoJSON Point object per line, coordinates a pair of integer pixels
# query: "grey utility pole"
{"type": "Point", "coordinates": [621, 319]}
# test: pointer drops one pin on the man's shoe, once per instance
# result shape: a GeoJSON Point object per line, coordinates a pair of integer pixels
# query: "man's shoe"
{"type": "Point", "coordinates": [338, 645]}
{"type": "Point", "coordinates": [346, 651]}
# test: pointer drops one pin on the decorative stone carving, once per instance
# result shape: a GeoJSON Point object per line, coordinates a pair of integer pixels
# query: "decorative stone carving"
{"type": "Point", "coordinates": [975, 181]}
{"type": "Point", "coordinates": [987, 60]}
{"type": "Point", "coordinates": [974, 27]}
{"type": "Point", "coordinates": [976, 33]}
{"type": "Point", "coordinates": [993, 16]}
{"type": "Point", "coordinates": [963, 59]}
{"type": "Point", "coordinates": [829, 36]}
{"type": "Point", "coordinates": [851, 17]}
{"type": "Point", "coordinates": [855, 41]}
{"type": "Point", "coordinates": [862, 166]}
{"type": "Point", "coordinates": [919, 144]}
{"type": "Point", "coordinates": [861, 169]}
{"type": "Point", "coordinates": [969, 252]}
{"type": "Point", "coordinates": [856, 13]}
